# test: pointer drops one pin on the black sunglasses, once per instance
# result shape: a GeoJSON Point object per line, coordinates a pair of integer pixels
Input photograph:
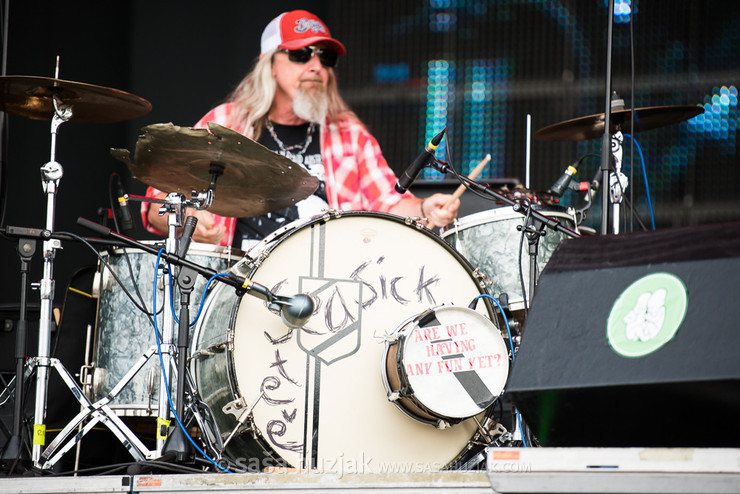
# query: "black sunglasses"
{"type": "Point", "coordinates": [327, 56]}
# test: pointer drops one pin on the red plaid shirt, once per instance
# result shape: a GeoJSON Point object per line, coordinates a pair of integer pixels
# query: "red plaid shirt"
{"type": "Point", "coordinates": [357, 176]}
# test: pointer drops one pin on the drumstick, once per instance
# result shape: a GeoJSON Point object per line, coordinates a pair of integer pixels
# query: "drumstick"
{"type": "Point", "coordinates": [473, 175]}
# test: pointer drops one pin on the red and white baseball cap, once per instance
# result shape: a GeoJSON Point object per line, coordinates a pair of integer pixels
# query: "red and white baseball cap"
{"type": "Point", "coordinates": [297, 29]}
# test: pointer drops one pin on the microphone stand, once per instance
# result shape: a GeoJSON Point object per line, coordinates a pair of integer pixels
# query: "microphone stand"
{"type": "Point", "coordinates": [176, 442]}
{"type": "Point", "coordinates": [13, 451]}
{"type": "Point", "coordinates": [536, 221]}
{"type": "Point", "coordinates": [242, 285]}
{"type": "Point", "coordinates": [99, 411]}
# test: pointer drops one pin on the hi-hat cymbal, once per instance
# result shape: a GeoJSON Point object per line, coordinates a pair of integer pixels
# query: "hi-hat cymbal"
{"type": "Point", "coordinates": [255, 180]}
{"type": "Point", "coordinates": [592, 126]}
{"type": "Point", "coordinates": [33, 97]}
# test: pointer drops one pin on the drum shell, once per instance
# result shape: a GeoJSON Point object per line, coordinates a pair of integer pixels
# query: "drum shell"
{"type": "Point", "coordinates": [352, 400]}
{"type": "Point", "coordinates": [490, 241]}
{"type": "Point", "coordinates": [123, 333]}
{"type": "Point", "coordinates": [445, 365]}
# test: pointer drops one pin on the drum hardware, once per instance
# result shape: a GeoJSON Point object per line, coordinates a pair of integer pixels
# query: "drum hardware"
{"type": "Point", "coordinates": [533, 229]}
{"type": "Point", "coordinates": [238, 408]}
{"type": "Point", "coordinates": [13, 451]}
{"type": "Point", "coordinates": [85, 378]}
{"type": "Point", "coordinates": [59, 101]}
{"type": "Point", "coordinates": [491, 430]}
{"type": "Point", "coordinates": [523, 207]}
{"type": "Point", "coordinates": [253, 180]}
{"type": "Point", "coordinates": [471, 236]}
{"type": "Point", "coordinates": [461, 189]}
{"type": "Point", "coordinates": [619, 120]}
{"type": "Point", "coordinates": [176, 442]}
{"type": "Point", "coordinates": [209, 352]}
{"type": "Point", "coordinates": [438, 353]}
{"type": "Point", "coordinates": [295, 310]}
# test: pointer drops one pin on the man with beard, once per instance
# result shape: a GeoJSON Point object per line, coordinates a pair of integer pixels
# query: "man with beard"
{"type": "Point", "coordinates": [290, 104]}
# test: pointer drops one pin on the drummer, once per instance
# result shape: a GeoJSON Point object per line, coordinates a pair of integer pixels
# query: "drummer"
{"type": "Point", "coordinates": [290, 104]}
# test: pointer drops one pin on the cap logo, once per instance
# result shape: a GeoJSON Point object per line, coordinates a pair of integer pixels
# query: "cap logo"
{"type": "Point", "coordinates": [303, 25]}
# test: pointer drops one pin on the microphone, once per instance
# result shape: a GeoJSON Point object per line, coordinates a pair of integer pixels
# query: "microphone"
{"type": "Point", "coordinates": [101, 230]}
{"type": "Point", "coordinates": [409, 175]}
{"type": "Point", "coordinates": [296, 310]}
{"type": "Point", "coordinates": [593, 187]}
{"type": "Point", "coordinates": [124, 213]}
{"type": "Point", "coordinates": [187, 235]}
{"type": "Point", "coordinates": [561, 184]}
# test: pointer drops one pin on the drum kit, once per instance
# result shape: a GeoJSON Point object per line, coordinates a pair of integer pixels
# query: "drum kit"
{"type": "Point", "coordinates": [382, 357]}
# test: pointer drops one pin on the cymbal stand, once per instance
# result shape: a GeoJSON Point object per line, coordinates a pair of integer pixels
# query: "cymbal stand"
{"type": "Point", "coordinates": [51, 174]}
{"type": "Point", "coordinates": [173, 204]}
{"type": "Point", "coordinates": [294, 311]}
{"type": "Point", "coordinates": [606, 138]}
{"type": "Point", "coordinates": [100, 411]}
{"type": "Point", "coordinates": [618, 181]}
{"type": "Point", "coordinates": [174, 442]}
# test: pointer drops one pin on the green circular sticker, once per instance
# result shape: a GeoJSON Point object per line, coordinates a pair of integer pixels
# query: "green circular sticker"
{"type": "Point", "coordinates": [647, 315]}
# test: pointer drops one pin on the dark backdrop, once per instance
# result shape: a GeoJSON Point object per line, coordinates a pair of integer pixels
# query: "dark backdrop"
{"type": "Point", "coordinates": [185, 56]}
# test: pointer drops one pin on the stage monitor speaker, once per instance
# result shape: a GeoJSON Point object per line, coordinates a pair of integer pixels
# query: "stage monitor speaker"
{"type": "Point", "coordinates": [633, 340]}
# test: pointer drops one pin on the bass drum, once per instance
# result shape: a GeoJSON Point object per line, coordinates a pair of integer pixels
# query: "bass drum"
{"type": "Point", "coordinates": [316, 394]}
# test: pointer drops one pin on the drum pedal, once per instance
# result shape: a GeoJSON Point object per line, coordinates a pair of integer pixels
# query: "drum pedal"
{"type": "Point", "coordinates": [238, 408]}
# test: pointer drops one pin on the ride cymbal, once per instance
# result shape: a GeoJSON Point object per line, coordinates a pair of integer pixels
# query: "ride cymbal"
{"type": "Point", "coordinates": [592, 126]}
{"type": "Point", "coordinates": [253, 180]}
{"type": "Point", "coordinates": [33, 97]}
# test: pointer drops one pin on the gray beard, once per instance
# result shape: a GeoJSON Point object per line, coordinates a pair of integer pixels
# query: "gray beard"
{"type": "Point", "coordinates": [311, 105]}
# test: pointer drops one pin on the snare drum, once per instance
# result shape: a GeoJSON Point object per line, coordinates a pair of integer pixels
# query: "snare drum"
{"type": "Point", "coordinates": [123, 333]}
{"type": "Point", "coordinates": [316, 394]}
{"type": "Point", "coordinates": [445, 365]}
{"type": "Point", "coordinates": [490, 241]}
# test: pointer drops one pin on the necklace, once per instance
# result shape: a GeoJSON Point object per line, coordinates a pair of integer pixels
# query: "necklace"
{"type": "Point", "coordinates": [286, 149]}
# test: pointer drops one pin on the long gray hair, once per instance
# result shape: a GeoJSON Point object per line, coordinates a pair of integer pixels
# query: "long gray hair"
{"type": "Point", "coordinates": [255, 94]}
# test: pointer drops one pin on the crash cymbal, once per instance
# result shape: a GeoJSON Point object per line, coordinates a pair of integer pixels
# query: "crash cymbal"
{"type": "Point", "coordinates": [592, 126]}
{"type": "Point", "coordinates": [32, 97]}
{"type": "Point", "coordinates": [255, 180]}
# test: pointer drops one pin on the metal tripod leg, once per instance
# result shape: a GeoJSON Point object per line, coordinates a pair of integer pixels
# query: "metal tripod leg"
{"type": "Point", "coordinates": [100, 412]}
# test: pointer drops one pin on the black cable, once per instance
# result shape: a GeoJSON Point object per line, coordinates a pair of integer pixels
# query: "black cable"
{"type": "Point", "coordinates": [116, 467]}
{"type": "Point", "coordinates": [110, 269]}
{"type": "Point", "coordinates": [125, 252]}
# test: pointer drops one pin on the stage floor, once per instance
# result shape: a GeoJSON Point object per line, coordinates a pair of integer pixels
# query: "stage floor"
{"type": "Point", "coordinates": [509, 470]}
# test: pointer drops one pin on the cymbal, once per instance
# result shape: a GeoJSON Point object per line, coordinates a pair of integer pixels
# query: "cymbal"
{"type": "Point", "coordinates": [255, 180]}
{"type": "Point", "coordinates": [592, 126]}
{"type": "Point", "coordinates": [32, 97]}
